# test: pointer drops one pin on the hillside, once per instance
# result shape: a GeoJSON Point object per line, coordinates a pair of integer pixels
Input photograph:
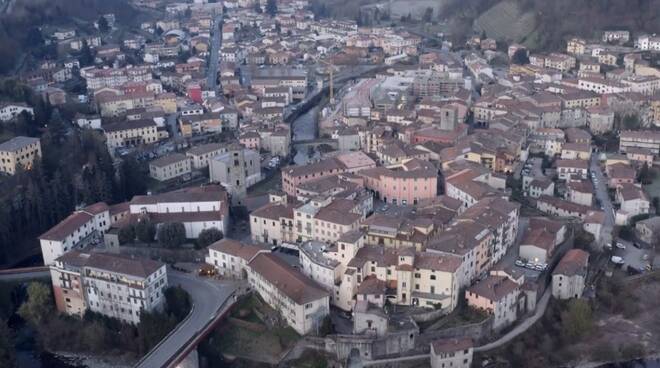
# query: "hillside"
{"type": "Point", "coordinates": [506, 21]}
{"type": "Point", "coordinates": [543, 24]}
{"type": "Point", "coordinates": [20, 20]}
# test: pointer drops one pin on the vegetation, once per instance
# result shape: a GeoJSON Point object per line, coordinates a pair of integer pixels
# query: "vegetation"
{"type": "Point", "coordinates": [7, 353]}
{"type": "Point", "coordinates": [20, 34]}
{"type": "Point", "coordinates": [172, 234]}
{"type": "Point", "coordinates": [96, 333]}
{"type": "Point", "coordinates": [271, 7]}
{"type": "Point", "coordinates": [520, 57]}
{"type": "Point", "coordinates": [145, 231]}
{"type": "Point", "coordinates": [208, 237]}
{"type": "Point", "coordinates": [558, 20]}
{"type": "Point", "coordinates": [126, 234]}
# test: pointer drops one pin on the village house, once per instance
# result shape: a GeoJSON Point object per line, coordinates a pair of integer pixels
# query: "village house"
{"type": "Point", "coordinates": [569, 277]}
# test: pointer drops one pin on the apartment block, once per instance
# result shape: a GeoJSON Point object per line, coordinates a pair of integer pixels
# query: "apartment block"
{"type": "Point", "coordinates": [19, 152]}
{"type": "Point", "coordinates": [170, 167]}
{"type": "Point", "coordinates": [79, 230]}
{"type": "Point", "coordinates": [113, 285]}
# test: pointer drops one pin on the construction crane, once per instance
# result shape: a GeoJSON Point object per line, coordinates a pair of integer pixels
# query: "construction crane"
{"type": "Point", "coordinates": [332, 69]}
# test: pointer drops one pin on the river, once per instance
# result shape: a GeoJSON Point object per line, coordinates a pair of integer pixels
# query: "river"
{"type": "Point", "coordinates": [306, 127]}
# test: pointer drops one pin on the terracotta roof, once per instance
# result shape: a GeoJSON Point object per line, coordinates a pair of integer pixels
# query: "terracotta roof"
{"type": "Point", "coordinates": [67, 226]}
{"type": "Point", "coordinates": [494, 288]}
{"type": "Point", "coordinates": [574, 262]}
{"type": "Point", "coordinates": [126, 265]}
{"type": "Point", "coordinates": [451, 345]}
{"type": "Point", "coordinates": [300, 288]}
{"type": "Point", "coordinates": [371, 285]}
{"type": "Point", "coordinates": [236, 248]}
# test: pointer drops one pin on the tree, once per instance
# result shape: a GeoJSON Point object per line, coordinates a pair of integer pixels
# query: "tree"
{"type": "Point", "coordinates": [577, 320]}
{"type": "Point", "coordinates": [520, 57]}
{"type": "Point", "coordinates": [38, 306]}
{"type": "Point", "coordinates": [103, 25]}
{"type": "Point", "coordinates": [145, 231]}
{"type": "Point", "coordinates": [646, 175]}
{"type": "Point", "coordinates": [126, 234]}
{"type": "Point", "coordinates": [271, 7]}
{"type": "Point", "coordinates": [7, 352]}
{"type": "Point", "coordinates": [86, 56]}
{"type": "Point", "coordinates": [209, 236]}
{"type": "Point", "coordinates": [177, 302]}
{"type": "Point", "coordinates": [428, 15]}
{"type": "Point", "coordinates": [172, 234]}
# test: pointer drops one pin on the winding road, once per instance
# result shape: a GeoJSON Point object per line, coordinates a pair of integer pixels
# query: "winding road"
{"type": "Point", "coordinates": [209, 299]}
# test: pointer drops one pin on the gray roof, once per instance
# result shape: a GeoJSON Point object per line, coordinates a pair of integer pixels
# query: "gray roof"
{"type": "Point", "coordinates": [17, 143]}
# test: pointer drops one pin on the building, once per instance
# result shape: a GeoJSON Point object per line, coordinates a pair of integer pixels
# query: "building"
{"type": "Point", "coordinates": [646, 139]}
{"type": "Point", "coordinates": [649, 230]}
{"type": "Point", "coordinates": [201, 155]}
{"type": "Point", "coordinates": [236, 169]}
{"type": "Point", "coordinates": [79, 230]}
{"type": "Point", "coordinates": [568, 278]}
{"type": "Point", "coordinates": [130, 133]}
{"type": "Point", "coordinates": [230, 257]}
{"type": "Point", "coordinates": [113, 285]}
{"type": "Point", "coordinates": [537, 246]}
{"type": "Point", "coordinates": [350, 162]}
{"type": "Point", "coordinates": [633, 200]}
{"type": "Point", "coordinates": [452, 353]}
{"type": "Point", "coordinates": [405, 184]}
{"type": "Point", "coordinates": [100, 78]}
{"type": "Point", "coordinates": [302, 303]}
{"type": "Point", "coordinates": [497, 296]}
{"type": "Point", "coordinates": [567, 169]}
{"type": "Point", "coordinates": [170, 167]}
{"type": "Point", "coordinates": [9, 110]}
{"type": "Point", "coordinates": [19, 152]}
{"type": "Point", "coordinates": [197, 208]}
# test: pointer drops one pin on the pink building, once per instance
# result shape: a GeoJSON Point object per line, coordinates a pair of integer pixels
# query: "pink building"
{"type": "Point", "coordinates": [251, 140]}
{"type": "Point", "coordinates": [406, 185]}
{"type": "Point", "coordinates": [293, 176]}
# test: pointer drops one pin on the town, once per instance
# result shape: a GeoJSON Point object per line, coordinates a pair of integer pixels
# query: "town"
{"type": "Point", "coordinates": [260, 184]}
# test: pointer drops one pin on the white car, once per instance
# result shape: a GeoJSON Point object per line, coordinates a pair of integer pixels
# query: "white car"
{"type": "Point", "coordinates": [520, 263]}
{"type": "Point", "coordinates": [620, 245]}
{"type": "Point", "coordinates": [617, 260]}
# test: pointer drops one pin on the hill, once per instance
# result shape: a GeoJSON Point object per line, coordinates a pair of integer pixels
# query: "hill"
{"type": "Point", "coordinates": [20, 21]}
{"type": "Point", "coordinates": [543, 24]}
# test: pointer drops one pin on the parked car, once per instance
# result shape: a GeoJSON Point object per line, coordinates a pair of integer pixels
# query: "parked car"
{"type": "Point", "coordinates": [620, 245]}
{"type": "Point", "coordinates": [520, 263]}
{"type": "Point", "coordinates": [617, 260]}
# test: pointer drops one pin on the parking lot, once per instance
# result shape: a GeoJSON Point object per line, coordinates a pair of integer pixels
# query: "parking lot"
{"type": "Point", "coordinates": [636, 257]}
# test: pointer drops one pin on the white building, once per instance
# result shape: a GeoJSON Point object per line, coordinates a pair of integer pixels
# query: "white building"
{"type": "Point", "coordinates": [568, 278]}
{"type": "Point", "coordinates": [197, 208]}
{"type": "Point", "coordinates": [9, 110]}
{"type": "Point", "coordinates": [115, 286]}
{"type": "Point", "coordinates": [300, 301]}
{"type": "Point", "coordinates": [451, 353]}
{"type": "Point", "coordinates": [170, 167]}
{"type": "Point", "coordinates": [230, 257]}
{"type": "Point", "coordinates": [81, 229]}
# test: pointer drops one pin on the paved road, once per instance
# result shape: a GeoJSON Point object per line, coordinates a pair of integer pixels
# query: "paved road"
{"type": "Point", "coordinates": [524, 326]}
{"type": "Point", "coordinates": [600, 185]}
{"type": "Point", "coordinates": [208, 296]}
{"type": "Point", "coordinates": [24, 276]}
{"type": "Point", "coordinates": [216, 42]}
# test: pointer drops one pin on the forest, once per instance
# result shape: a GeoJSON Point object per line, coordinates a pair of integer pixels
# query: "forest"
{"type": "Point", "coordinates": [76, 169]}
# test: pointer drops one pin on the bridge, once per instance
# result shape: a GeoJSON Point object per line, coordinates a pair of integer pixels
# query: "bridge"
{"type": "Point", "coordinates": [211, 301]}
{"type": "Point", "coordinates": [315, 143]}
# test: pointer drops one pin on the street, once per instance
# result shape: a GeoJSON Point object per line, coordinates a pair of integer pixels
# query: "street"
{"type": "Point", "coordinates": [207, 296]}
{"type": "Point", "coordinates": [216, 42]}
{"type": "Point", "coordinates": [600, 187]}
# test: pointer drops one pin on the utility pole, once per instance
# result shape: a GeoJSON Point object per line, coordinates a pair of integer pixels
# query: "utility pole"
{"type": "Point", "coordinates": [331, 67]}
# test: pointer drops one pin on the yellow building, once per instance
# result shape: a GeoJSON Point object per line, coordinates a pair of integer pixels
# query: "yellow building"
{"type": "Point", "coordinates": [19, 151]}
{"type": "Point", "coordinates": [130, 133]}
